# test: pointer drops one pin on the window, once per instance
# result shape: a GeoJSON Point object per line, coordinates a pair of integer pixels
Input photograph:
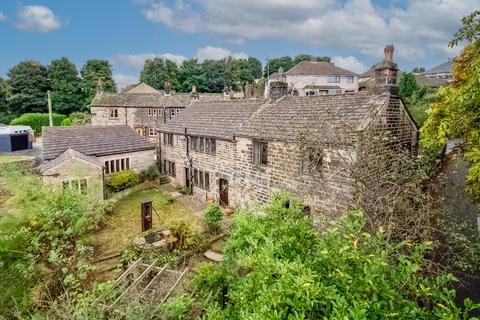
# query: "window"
{"type": "Point", "coordinates": [201, 144]}
{"type": "Point", "coordinates": [169, 168]}
{"type": "Point", "coordinates": [259, 153]}
{"type": "Point", "coordinates": [201, 179]}
{"type": "Point", "coordinates": [154, 112]}
{"type": "Point", "coordinates": [174, 112]}
{"type": "Point", "coordinates": [149, 112]}
{"type": "Point", "coordinates": [113, 113]}
{"type": "Point", "coordinates": [313, 161]}
{"type": "Point", "coordinates": [350, 79]}
{"type": "Point", "coordinates": [112, 166]}
{"type": "Point", "coordinates": [76, 185]}
{"type": "Point", "coordinates": [168, 139]}
{"type": "Point", "coordinates": [152, 132]}
{"type": "Point", "coordinates": [333, 79]}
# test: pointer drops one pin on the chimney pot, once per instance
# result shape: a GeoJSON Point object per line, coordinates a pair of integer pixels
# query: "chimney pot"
{"type": "Point", "coordinates": [194, 89]}
{"type": "Point", "coordinates": [389, 52]}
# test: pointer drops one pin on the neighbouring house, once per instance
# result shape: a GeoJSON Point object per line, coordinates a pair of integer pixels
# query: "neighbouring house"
{"type": "Point", "coordinates": [442, 71]}
{"type": "Point", "coordinates": [314, 77]}
{"type": "Point", "coordinates": [81, 157]}
{"type": "Point", "coordinates": [144, 108]}
{"type": "Point", "coordinates": [241, 151]}
{"type": "Point", "coordinates": [16, 138]}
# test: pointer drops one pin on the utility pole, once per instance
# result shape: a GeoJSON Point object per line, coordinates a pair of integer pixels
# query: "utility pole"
{"type": "Point", "coordinates": [50, 116]}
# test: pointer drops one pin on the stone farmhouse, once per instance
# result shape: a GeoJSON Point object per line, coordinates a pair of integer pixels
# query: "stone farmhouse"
{"type": "Point", "coordinates": [309, 78]}
{"type": "Point", "coordinates": [81, 157]}
{"type": "Point", "coordinates": [237, 152]}
{"type": "Point", "coordinates": [143, 108]}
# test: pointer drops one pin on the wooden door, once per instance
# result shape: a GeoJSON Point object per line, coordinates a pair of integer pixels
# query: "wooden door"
{"type": "Point", "coordinates": [187, 178]}
{"type": "Point", "coordinates": [223, 190]}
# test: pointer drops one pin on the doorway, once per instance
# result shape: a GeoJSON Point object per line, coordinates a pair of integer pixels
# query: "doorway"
{"type": "Point", "coordinates": [187, 178]}
{"type": "Point", "coordinates": [223, 191]}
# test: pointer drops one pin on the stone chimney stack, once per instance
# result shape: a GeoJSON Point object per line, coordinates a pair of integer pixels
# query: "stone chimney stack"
{"type": "Point", "coordinates": [386, 74]}
{"type": "Point", "coordinates": [278, 89]}
{"type": "Point", "coordinates": [167, 88]}
{"type": "Point", "coordinates": [99, 86]}
{"type": "Point", "coordinates": [194, 94]}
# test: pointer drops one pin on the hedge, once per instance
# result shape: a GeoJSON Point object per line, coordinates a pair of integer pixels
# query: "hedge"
{"type": "Point", "coordinates": [122, 180]}
{"type": "Point", "coordinates": [37, 120]}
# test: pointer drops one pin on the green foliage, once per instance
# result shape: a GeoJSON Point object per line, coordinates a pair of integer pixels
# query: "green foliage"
{"type": "Point", "coordinates": [156, 71]}
{"type": "Point", "coordinates": [67, 122]}
{"type": "Point", "coordinates": [43, 236]}
{"type": "Point", "coordinates": [455, 114]}
{"type": "Point", "coordinates": [91, 72]}
{"type": "Point", "coordinates": [407, 85]}
{"type": "Point", "coordinates": [416, 97]}
{"type": "Point", "coordinates": [176, 308]}
{"type": "Point", "coordinates": [308, 57]}
{"type": "Point", "coordinates": [37, 120]}
{"type": "Point", "coordinates": [274, 64]}
{"type": "Point", "coordinates": [149, 174]}
{"type": "Point", "coordinates": [80, 118]}
{"type": "Point", "coordinates": [29, 85]}
{"type": "Point", "coordinates": [213, 216]}
{"type": "Point", "coordinates": [183, 235]}
{"type": "Point", "coordinates": [122, 180]}
{"type": "Point", "coordinates": [5, 114]}
{"type": "Point", "coordinates": [278, 267]}
{"type": "Point", "coordinates": [470, 31]}
{"type": "Point", "coordinates": [186, 190]}
{"type": "Point", "coordinates": [418, 70]}
{"type": "Point", "coordinates": [67, 96]}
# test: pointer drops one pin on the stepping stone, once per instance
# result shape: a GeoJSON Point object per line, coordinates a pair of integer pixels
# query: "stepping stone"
{"type": "Point", "coordinates": [210, 255]}
{"type": "Point", "coordinates": [176, 194]}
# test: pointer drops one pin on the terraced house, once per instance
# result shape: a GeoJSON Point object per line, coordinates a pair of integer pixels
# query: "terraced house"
{"type": "Point", "coordinates": [242, 151]}
{"type": "Point", "coordinates": [143, 108]}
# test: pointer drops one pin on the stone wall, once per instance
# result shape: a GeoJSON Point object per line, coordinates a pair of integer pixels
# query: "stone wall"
{"type": "Point", "coordinates": [77, 169]}
{"type": "Point", "coordinates": [138, 160]}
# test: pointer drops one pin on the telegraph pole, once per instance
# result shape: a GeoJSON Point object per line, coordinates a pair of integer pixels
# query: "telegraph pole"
{"type": "Point", "coordinates": [50, 116]}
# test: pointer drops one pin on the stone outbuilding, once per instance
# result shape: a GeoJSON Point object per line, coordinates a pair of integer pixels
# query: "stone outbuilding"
{"type": "Point", "coordinates": [82, 157]}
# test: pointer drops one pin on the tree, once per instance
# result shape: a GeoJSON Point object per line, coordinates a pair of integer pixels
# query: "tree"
{"type": "Point", "coordinates": [407, 85]}
{"type": "Point", "coordinates": [191, 74]}
{"type": "Point", "coordinates": [29, 85]}
{"type": "Point", "coordinates": [255, 67]}
{"type": "Point", "coordinates": [217, 76]}
{"type": "Point", "coordinates": [67, 96]}
{"type": "Point", "coordinates": [418, 70]}
{"type": "Point", "coordinates": [91, 72]}
{"type": "Point", "coordinates": [470, 31]}
{"type": "Point", "coordinates": [5, 115]}
{"type": "Point", "coordinates": [273, 65]}
{"type": "Point", "coordinates": [156, 71]}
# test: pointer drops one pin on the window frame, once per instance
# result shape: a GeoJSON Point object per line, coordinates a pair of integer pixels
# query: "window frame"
{"type": "Point", "coordinates": [113, 113]}
{"type": "Point", "coordinates": [260, 153]}
{"type": "Point", "coordinates": [201, 179]}
{"type": "Point", "coordinates": [311, 165]}
{"type": "Point", "coordinates": [350, 79]}
{"type": "Point", "coordinates": [335, 78]}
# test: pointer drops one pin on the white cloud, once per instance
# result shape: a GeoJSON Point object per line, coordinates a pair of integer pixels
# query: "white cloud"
{"type": "Point", "coordinates": [38, 18]}
{"type": "Point", "coordinates": [215, 53]}
{"type": "Point", "coordinates": [123, 80]}
{"type": "Point", "coordinates": [136, 61]}
{"type": "Point", "coordinates": [350, 63]}
{"type": "Point", "coordinates": [419, 29]}
{"type": "Point", "coordinates": [3, 17]}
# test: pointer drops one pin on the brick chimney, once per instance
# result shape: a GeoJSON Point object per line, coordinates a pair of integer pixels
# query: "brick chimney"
{"type": "Point", "coordinates": [386, 74]}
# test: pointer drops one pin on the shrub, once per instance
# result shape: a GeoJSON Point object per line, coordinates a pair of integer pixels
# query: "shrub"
{"type": "Point", "coordinates": [212, 216]}
{"type": "Point", "coordinates": [37, 120]}
{"type": "Point", "coordinates": [150, 174]}
{"type": "Point", "coordinates": [122, 180]}
{"type": "Point", "coordinates": [80, 118]}
{"type": "Point", "coordinates": [176, 308]}
{"type": "Point", "coordinates": [67, 122]}
{"type": "Point", "coordinates": [186, 190]}
{"type": "Point", "coordinates": [183, 235]}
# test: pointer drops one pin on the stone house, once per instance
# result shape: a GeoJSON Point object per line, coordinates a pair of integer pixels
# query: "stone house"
{"type": "Point", "coordinates": [81, 157]}
{"type": "Point", "coordinates": [240, 152]}
{"type": "Point", "coordinates": [442, 71]}
{"type": "Point", "coordinates": [143, 108]}
{"type": "Point", "coordinates": [314, 77]}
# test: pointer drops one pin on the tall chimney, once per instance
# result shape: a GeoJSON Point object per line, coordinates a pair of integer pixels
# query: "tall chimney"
{"type": "Point", "coordinates": [194, 94]}
{"type": "Point", "coordinates": [278, 89]}
{"type": "Point", "coordinates": [386, 74]}
{"type": "Point", "coordinates": [167, 88]}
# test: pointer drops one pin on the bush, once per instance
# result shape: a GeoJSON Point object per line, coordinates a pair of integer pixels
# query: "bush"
{"type": "Point", "coordinates": [176, 308]}
{"type": "Point", "coordinates": [67, 122]}
{"type": "Point", "coordinates": [80, 118]}
{"type": "Point", "coordinates": [186, 190]}
{"type": "Point", "coordinates": [212, 216]}
{"type": "Point", "coordinates": [122, 180]}
{"type": "Point", "coordinates": [183, 235]}
{"type": "Point", "coordinates": [37, 120]}
{"type": "Point", "coordinates": [149, 174]}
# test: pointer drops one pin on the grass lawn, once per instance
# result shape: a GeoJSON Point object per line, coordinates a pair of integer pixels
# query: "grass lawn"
{"type": "Point", "coordinates": [5, 159]}
{"type": "Point", "coordinates": [123, 225]}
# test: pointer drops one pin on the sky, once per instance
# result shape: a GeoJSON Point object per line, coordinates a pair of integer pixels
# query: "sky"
{"type": "Point", "coordinates": [126, 32]}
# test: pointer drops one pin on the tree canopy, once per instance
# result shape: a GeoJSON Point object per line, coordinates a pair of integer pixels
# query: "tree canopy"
{"type": "Point", "coordinates": [28, 86]}
{"type": "Point", "coordinates": [66, 88]}
{"type": "Point", "coordinates": [157, 71]}
{"type": "Point", "coordinates": [91, 72]}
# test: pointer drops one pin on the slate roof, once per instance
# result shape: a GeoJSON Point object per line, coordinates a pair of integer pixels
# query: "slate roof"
{"type": "Point", "coordinates": [219, 119]}
{"type": "Point", "coordinates": [318, 68]}
{"type": "Point", "coordinates": [67, 155]}
{"type": "Point", "coordinates": [148, 99]}
{"type": "Point", "coordinates": [142, 88]}
{"type": "Point", "coordinates": [324, 117]}
{"type": "Point", "coordinates": [92, 141]}
{"type": "Point", "coordinates": [441, 68]}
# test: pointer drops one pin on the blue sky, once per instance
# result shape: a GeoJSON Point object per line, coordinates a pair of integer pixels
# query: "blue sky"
{"type": "Point", "coordinates": [127, 32]}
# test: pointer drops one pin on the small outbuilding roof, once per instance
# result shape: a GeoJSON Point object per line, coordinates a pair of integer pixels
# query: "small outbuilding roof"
{"type": "Point", "coordinates": [15, 129]}
{"type": "Point", "coordinates": [92, 141]}
{"type": "Point", "coordinates": [65, 156]}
